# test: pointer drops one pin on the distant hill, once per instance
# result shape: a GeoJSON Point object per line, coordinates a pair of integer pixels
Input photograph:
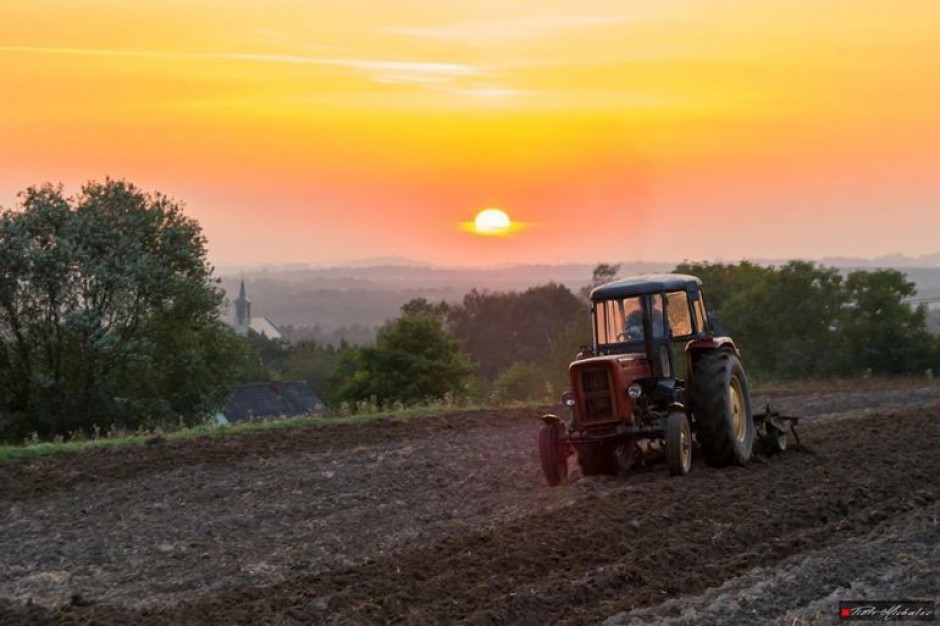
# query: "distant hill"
{"type": "Point", "coordinates": [358, 294]}
{"type": "Point", "coordinates": [388, 261]}
{"type": "Point", "coordinates": [336, 297]}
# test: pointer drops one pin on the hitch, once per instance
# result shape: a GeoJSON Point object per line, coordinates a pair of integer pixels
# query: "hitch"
{"type": "Point", "coordinates": [773, 419]}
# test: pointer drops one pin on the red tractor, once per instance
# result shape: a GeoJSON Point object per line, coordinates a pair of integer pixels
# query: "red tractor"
{"type": "Point", "coordinates": [657, 383]}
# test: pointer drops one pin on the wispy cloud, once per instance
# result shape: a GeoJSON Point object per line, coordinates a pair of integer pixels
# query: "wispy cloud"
{"type": "Point", "coordinates": [505, 30]}
{"type": "Point", "coordinates": [381, 70]}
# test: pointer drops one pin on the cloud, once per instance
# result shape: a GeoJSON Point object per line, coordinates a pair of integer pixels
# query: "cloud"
{"type": "Point", "coordinates": [378, 69]}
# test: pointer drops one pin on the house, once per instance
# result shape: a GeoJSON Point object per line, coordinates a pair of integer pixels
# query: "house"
{"type": "Point", "coordinates": [272, 399]}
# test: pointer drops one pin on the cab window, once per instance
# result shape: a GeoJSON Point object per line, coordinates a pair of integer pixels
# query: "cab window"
{"type": "Point", "coordinates": [618, 320]}
{"type": "Point", "coordinates": [700, 320]}
{"type": "Point", "coordinates": [680, 314]}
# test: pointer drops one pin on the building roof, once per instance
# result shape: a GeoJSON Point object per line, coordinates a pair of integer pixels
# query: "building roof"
{"type": "Point", "coordinates": [264, 326]}
{"type": "Point", "coordinates": [274, 399]}
{"type": "Point", "coordinates": [639, 285]}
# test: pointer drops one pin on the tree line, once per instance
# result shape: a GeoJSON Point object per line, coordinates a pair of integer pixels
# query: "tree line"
{"type": "Point", "coordinates": [110, 318]}
{"type": "Point", "coordinates": [496, 346]}
{"type": "Point", "coordinates": [804, 320]}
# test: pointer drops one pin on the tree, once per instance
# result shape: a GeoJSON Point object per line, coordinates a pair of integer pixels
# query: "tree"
{"type": "Point", "coordinates": [109, 314]}
{"type": "Point", "coordinates": [722, 281]}
{"type": "Point", "coordinates": [787, 321]}
{"type": "Point", "coordinates": [521, 381]}
{"type": "Point", "coordinates": [603, 273]}
{"type": "Point", "coordinates": [414, 359]}
{"type": "Point", "coordinates": [805, 320]}
{"type": "Point", "coordinates": [499, 329]}
{"type": "Point", "coordinates": [267, 358]}
{"type": "Point", "coordinates": [883, 332]}
{"type": "Point", "coordinates": [323, 366]}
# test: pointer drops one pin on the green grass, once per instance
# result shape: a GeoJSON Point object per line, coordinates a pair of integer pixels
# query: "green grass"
{"type": "Point", "coordinates": [33, 450]}
{"type": "Point", "coordinates": [761, 388]}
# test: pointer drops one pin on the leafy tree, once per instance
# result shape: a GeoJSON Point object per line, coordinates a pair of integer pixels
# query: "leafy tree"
{"type": "Point", "coordinates": [109, 314]}
{"type": "Point", "coordinates": [420, 306]}
{"type": "Point", "coordinates": [805, 320]}
{"type": "Point", "coordinates": [787, 322]}
{"type": "Point", "coordinates": [883, 332]}
{"type": "Point", "coordinates": [554, 363]}
{"type": "Point", "coordinates": [722, 281]}
{"type": "Point", "coordinates": [521, 381]}
{"type": "Point", "coordinates": [499, 329]}
{"type": "Point", "coordinates": [323, 366]}
{"type": "Point", "coordinates": [603, 273]}
{"type": "Point", "coordinates": [267, 358]}
{"type": "Point", "coordinates": [414, 359]}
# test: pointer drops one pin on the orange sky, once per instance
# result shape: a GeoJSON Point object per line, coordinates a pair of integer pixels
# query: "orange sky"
{"type": "Point", "coordinates": [326, 131]}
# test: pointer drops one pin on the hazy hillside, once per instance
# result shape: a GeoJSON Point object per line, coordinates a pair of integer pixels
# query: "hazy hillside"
{"type": "Point", "coordinates": [366, 296]}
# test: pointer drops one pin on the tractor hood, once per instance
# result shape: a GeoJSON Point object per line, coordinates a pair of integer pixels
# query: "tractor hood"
{"type": "Point", "coordinates": [600, 388]}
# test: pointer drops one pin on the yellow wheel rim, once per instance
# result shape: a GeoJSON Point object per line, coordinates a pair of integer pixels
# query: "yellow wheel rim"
{"type": "Point", "coordinates": [738, 414]}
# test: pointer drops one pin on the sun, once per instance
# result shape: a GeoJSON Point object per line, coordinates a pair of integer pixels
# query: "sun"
{"type": "Point", "coordinates": [492, 222]}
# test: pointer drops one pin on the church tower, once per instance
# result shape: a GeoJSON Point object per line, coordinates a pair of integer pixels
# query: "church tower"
{"type": "Point", "coordinates": [242, 311]}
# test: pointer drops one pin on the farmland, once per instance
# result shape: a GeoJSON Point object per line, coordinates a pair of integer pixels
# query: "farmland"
{"type": "Point", "coordinates": [446, 519]}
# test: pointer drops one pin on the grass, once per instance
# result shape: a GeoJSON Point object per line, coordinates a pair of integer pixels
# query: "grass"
{"type": "Point", "coordinates": [33, 450]}
{"type": "Point", "coordinates": [760, 388]}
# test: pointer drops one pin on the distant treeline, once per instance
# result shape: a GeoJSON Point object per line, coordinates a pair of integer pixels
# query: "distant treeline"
{"type": "Point", "coordinates": [331, 304]}
{"type": "Point", "coordinates": [498, 346]}
{"type": "Point", "coordinates": [799, 320]}
{"type": "Point", "coordinates": [804, 320]}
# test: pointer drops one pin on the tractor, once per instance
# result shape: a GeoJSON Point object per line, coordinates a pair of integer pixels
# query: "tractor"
{"type": "Point", "coordinates": [656, 384]}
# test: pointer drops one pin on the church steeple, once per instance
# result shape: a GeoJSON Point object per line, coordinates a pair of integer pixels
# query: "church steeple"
{"type": "Point", "coordinates": [242, 310]}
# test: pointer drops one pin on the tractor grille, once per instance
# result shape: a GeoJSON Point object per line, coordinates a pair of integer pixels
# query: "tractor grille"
{"type": "Point", "coordinates": [595, 387]}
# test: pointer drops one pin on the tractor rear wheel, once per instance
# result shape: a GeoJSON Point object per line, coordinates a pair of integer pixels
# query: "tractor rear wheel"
{"type": "Point", "coordinates": [721, 404]}
{"type": "Point", "coordinates": [597, 458]}
{"type": "Point", "coordinates": [678, 444]}
{"type": "Point", "coordinates": [553, 453]}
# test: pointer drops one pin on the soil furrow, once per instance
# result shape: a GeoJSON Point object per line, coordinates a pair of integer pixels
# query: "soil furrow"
{"type": "Point", "coordinates": [619, 544]}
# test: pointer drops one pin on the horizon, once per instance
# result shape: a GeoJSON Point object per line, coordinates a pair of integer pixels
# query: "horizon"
{"type": "Point", "coordinates": [330, 133]}
{"type": "Point", "coordinates": [925, 261]}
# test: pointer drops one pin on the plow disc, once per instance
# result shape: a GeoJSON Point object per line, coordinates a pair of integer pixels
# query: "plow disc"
{"type": "Point", "coordinates": [773, 428]}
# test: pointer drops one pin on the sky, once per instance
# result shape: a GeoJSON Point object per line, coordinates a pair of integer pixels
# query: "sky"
{"type": "Point", "coordinates": [324, 131]}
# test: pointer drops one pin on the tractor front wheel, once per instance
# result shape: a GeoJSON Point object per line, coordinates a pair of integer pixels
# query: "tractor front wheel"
{"type": "Point", "coordinates": [553, 453]}
{"type": "Point", "coordinates": [721, 404]}
{"type": "Point", "coordinates": [678, 444]}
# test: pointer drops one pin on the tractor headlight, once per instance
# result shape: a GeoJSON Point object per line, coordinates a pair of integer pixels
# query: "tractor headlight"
{"type": "Point", "coordinates": [634, 391]}
{"type": "Point", "coordinates": [568, 399]}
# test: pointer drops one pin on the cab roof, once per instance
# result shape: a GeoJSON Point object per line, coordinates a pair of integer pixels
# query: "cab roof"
{"type": "Point", "coordinates": [644, 284]}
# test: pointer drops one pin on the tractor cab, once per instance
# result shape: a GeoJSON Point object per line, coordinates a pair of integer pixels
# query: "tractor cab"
{"type": "Point", "coordinates": [653, 316]}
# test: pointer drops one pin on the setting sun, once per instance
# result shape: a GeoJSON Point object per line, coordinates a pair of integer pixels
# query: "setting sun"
{"type": "Point", "coordinates": [280, 123]}
{"type": "Point", "coordinates": [492, 222]}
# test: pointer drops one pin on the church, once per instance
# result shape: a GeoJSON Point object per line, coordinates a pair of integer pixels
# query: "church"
{"type": "Point", "coordinates": [245, 322]}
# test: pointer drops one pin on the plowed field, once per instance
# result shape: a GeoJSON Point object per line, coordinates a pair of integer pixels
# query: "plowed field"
{"type": "Point", "coordinates": [444, 520]}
